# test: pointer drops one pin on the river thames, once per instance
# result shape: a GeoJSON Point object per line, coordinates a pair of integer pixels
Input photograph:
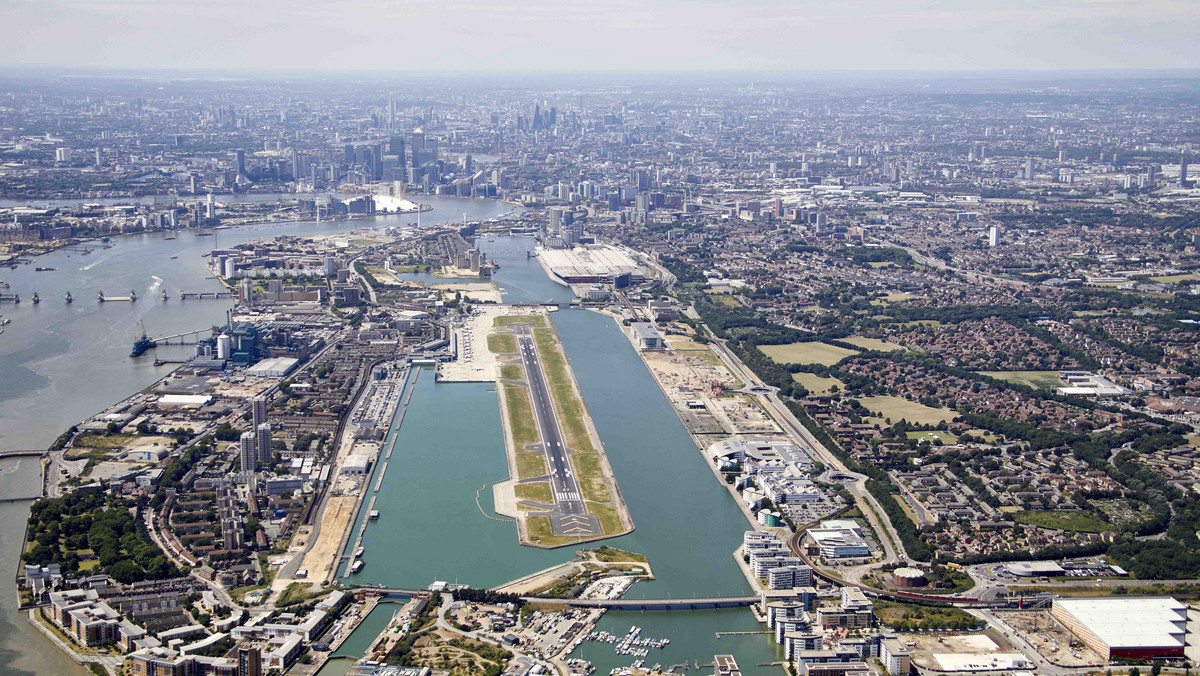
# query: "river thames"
{"type": "Point", "coordinates": [686, 523]}
{"type": "Point", "coordinates": [60, 363]}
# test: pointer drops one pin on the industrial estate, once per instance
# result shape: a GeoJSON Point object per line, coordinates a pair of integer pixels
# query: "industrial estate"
{"type": "Point", "coordinates": [646, 378]}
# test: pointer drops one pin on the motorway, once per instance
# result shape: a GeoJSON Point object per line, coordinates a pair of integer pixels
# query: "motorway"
{"type": "Point", "coordinates": [569, 516]}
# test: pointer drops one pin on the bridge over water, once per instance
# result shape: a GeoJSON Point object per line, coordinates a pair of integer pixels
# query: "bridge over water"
{"type": "Point", "coordinates": [664, 604]}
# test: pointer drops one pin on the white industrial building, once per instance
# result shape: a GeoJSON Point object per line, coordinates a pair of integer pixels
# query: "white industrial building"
{"type": "Point", "coordinates": [184, 400]}
{"type": "Point", "coordinates": [356, 464]}
{"type": "Point", "coordinates": [646, 336]}
{"type": "Point", "coordinates": [1113, 627]}
{"type": "Point", "coordinates": [1088, 384]}
{"type": "Point", "coordinates": [766, 452]}
{"type": "Point", "coordinates": [838, 543]}
{"type": "Point", "coordinates": [275, 367]}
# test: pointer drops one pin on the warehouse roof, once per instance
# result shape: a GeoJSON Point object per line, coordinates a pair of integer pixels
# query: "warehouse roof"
{"type": "Point", "coordinates": [273, 367]}
{"type": "Point", "coordinates": [184, 400]}
{"type": "Point", "coordinates": [1132, 622]}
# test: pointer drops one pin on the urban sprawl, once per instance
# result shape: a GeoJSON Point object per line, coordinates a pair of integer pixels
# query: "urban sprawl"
{"type": "Point", "coordinates": [939, 344]}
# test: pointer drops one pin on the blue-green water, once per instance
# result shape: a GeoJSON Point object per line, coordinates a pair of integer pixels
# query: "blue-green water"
{"type": "Point", "coordinates": [429, 527]}
{"type": "Point", "coordinates": [357, 643]}
{"type": "Point", "coordinates": [451, 444]}
{"type": "Point", "coordinates": [60, 363]}
{"type": "Point", "coordinates": [24, 651]}
{"type": "Point", "coordinates": [47, 346]}
{"type": "Point", "coordinates": [693, 639]}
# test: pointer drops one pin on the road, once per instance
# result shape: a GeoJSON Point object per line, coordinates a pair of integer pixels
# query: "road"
{"type": "Point", "coordinates": [483, 637]}
{"type": "Point", "coordinates": [569, 516]}
{"type": "Point", "coordinates": [769, 399]}
{"type": "Point", "coordinates": [1044, 666]}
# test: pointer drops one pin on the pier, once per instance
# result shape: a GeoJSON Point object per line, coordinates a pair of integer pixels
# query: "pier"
{"type": "Point", "coordinates": [200, 295]}
{"type": "Point", "coordinates": [186, 338]}
{"type": "Point", "coordinates": [17, 454]}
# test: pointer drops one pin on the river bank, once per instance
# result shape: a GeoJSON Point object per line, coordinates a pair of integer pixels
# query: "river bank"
{"type": "Point", "coordinates": [47, 347]}
{"type": "Point", "coordinates": [687, 523]}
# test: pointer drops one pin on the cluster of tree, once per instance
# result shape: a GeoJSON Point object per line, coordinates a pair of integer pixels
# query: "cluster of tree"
{"type": "Point", "coordinates": [1177, 555]}
{"type": "Point", "coordinates": [179, 467]}
{"type": "Point", "coordinates": [863, 255]}
{"type": "Point", "coordinates": [884, 491]}
{"type": "Point", "coordinates": [226, 432]}
{"type": "Point", "coordinates": [305, 439]}
{"type": "Point", "coordinates": [402, 653]}
{"type": "Point", "coordinates": [83, 520]}
{"type": "Point", "coordinates": [1037, 438]}
{"type": "Point", "coordinates": [683, 272]}
{"type": "Point", "coordinates": [1053, 552]}
{"type": "Point", "coordinates": [488, 597]}
{"type": "Point", "coordinates": [363, 272]}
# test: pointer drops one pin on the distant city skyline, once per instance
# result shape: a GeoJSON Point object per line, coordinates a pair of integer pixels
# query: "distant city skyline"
{"type": "Point", "coordinates": [777, 35]}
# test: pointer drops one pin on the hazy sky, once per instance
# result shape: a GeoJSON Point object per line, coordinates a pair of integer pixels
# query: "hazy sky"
{"type": "Point", "coordinates": [800, 35]}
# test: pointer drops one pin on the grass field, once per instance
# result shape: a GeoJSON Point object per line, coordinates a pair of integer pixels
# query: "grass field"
{"type": "Point", "coordinates": [383, 276]}
{"type": "Point", "coordinates": [512, 372]}
{"type": "Point", "coordinates": [915, 616]}
{"type": "Point", "coordinates": [983, 434]}
{"type": "Point", "coordinates": [524, 431]}
{"type": "Point", "coordinates": [1043, 380]}
{"type": "Point", "coordinates": [806, 353]}
{"type": "Point", "coordinates": [595, 491]}
{"type": "Point", "coordinates": [539, 532]}
{"type": "Point", "coordinates": [896, 408]}
{"type": "Point", "coordinates": [537, 491]}
{"type": "Point", "coordinates": [502, 343]}
{"type": "Point", "coordinates": [294, 593]}
{"type": "Point", "coordinates": [572, 416]}
{"type": "Point", "coordinates": [1175, 279]}
{"type": "Point", "coordinates": [872, 344]}
{"type": "Point", "coordinates": [1068, 521]}
{"type": "Point", "coordinates": [608, 554]}
{"type": "Point", "coordinates": [505, 320]}
{"type": "Point", "coordinates": [817, 384]}
{"type": "Point", "coordinates": [569, 406]}
{"type": "Point", "coordinates": [920, 322]}
{"type": "Point", "coordinates": [102, 441]}
{"type": "Point", "coordinates": [893, 298]}
{"type": "Point", "coordinates": [906, 507]}
{"type": "Point", "coordinates": [945, 437]}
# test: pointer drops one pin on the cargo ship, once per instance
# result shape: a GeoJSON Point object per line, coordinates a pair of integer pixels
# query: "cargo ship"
{"type": "Point", "coordinates": [142, 344]}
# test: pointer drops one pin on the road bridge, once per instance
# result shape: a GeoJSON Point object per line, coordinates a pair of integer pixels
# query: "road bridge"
{"type": "Point", "coordinates": [660, 604]}
{"type": "Point", "coordinates": [797, 548]}
{"type": "Point", "coordinates": [391, 591]}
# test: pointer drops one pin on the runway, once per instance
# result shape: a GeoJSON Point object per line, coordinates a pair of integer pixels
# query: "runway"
{"type": "Point", "coordinates": [569, 516]}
